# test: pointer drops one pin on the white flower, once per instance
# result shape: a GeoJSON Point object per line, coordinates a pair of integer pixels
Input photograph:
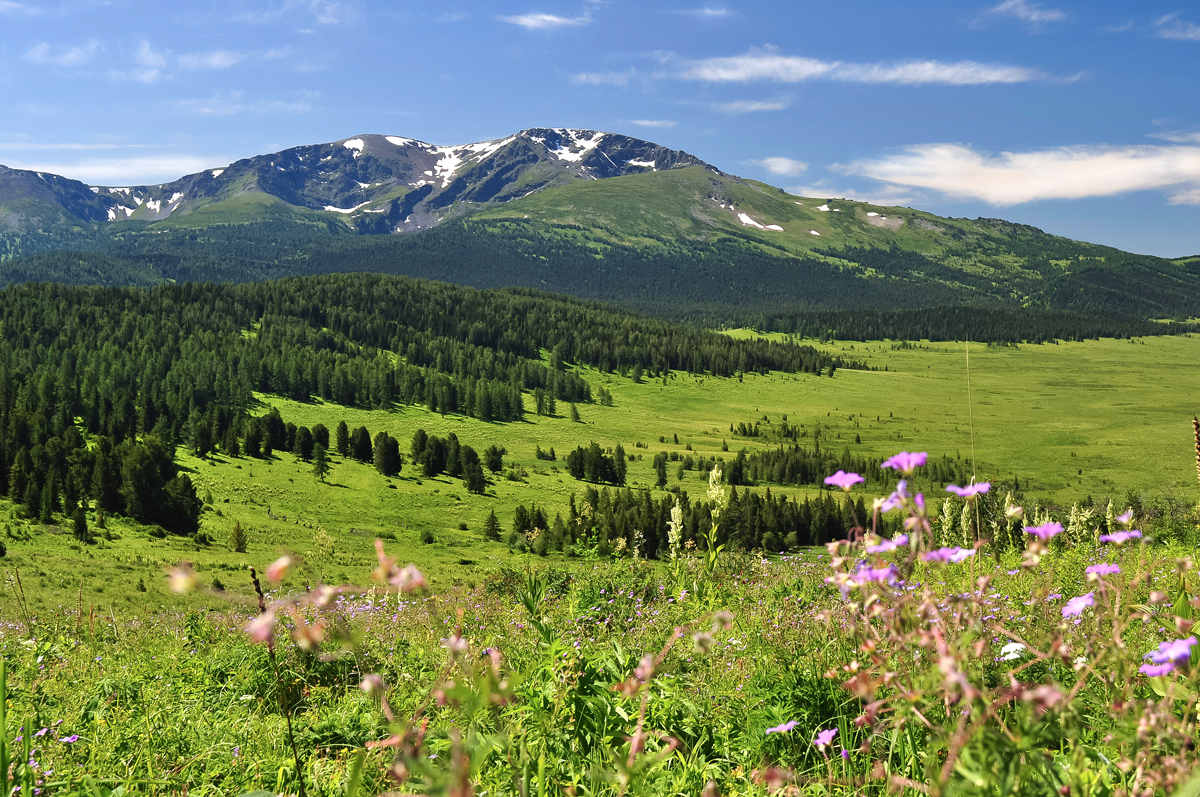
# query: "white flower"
{"type": "Point", "coordinates": [1012, 651]}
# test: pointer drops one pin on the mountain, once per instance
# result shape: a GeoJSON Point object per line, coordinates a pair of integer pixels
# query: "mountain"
{"type": "Point", "coordinates": [594, 214]}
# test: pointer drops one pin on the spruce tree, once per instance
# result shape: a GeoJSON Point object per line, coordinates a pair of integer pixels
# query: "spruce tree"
{"type": "Point", "coordinates": [79, 525]}
{"type": "Point", "coordinates": [237, 539]}
{"type": "Point", "coordinates": [491, 527]}
{"type": "Point", "coordinates": [342, 439]}
{"type": "Point", "coordinates": [574, 413]}
{"type": "Point", "coordinates": [320, 462]}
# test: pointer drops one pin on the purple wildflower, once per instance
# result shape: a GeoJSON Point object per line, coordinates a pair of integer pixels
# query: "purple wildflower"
{"type": "Point", "coordinates": [1045, 531]}
{"type": "Point", "coordinates": [824, 738]}
{"type": "Point", "coordinates": [1121, 537]}
{"type": "Point", "coordinates": [905, 462]}
{"type": "Point", "coordinates": [1125, 517]}
{"type": "Point", "coordinates": [784, 728]}
{"type": "Point", "coordinates": [878, 575]}
{"type": "Point", "coordinates": [949, 555]}
{"type": "Point", "coordinates": [1104, 569]}
{"type": "Point", "coordinates": [1075, 606]}
{"type": "Point", "coordinates": [896, 498]}
{"type": "Point", "coordinates": [888, 545]}
{"type": "Point", "coordinates": [1175, 653]}
{"type": "Point", "coordinates": [1155, 670]}
{"type": "Point", "coordinates": [970, 491]}
{"type": "Point", "coordinates": [72, 739]}
{"type": "Point", "coordinates": [843, 479]}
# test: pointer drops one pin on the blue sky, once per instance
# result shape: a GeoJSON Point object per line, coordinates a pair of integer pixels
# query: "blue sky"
{"type": "Point", "coordinates": [1082, 118]}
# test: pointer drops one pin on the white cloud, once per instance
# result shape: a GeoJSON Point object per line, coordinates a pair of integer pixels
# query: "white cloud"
{"type": "Point", "coordinates": [652, 122]}
{"type": "Point", "coordinates": [235, 104]}
{"type": "Point", "coordinates": [766, 63]}
{"type": "Point", "coordinates": [218, 59]}
{"type": "Point", "coordinates": [1172, 27]}
{"type": "Point", "coordinates": [148, 65]}
{"type": "Point", "coordinates": [141, 170]}
{"type": "Point", "coordinates": [45, 55]}
{"type": "Point", "coordinates": [783, 166]}
{"type": "Point", "coordinates": [18, 9]}
{"type": "Point", "coordinates": [602, 78]}
{"type": "Point", "coordinates": [324, 12]}
{"type": "Point", "coordinates": [1029, 13]}
{"type": "Point", "coordinates": [887, 196]}
{"type": "Point", "coordinates": [1012, 178]}
{"type": "Point", "coordinates": [750, 106]}
{"type": "Point", "coordinates": [1179, 137]}
{"type": "Point", "coordinates": [536, 21]}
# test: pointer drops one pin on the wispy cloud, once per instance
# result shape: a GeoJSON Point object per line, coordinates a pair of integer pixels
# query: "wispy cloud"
{"type": "Point", "coordinates": [1012, 178]}
{"type": "Point", "coordinates": [750, 106]}
{"type": "Point", "coordinates": [652, 122]}
{"type": "Point", "coordinates": [603, 78]}
{"type": "Point", "coordinates": [323, 12]}
{"type": "Point", "coordinates": [13, 9]}
{"type": "Point", "coordinates": [235, 103]}
{"type": "Point", "coordinates": [886, 196]}
{"type": "Point", "coordinates": [782, 166]}
{"type": "Point", "coordinates": [148, 65]}
{"type": "Point", "coordinates": [1179, 137]}
{"type": "Point", "coordinates": [704, 13]}
{"type": "Point", "coordinates": [217, 59]}
{"type": "Point", "coordinates": [45, 55]}
{"type": "Point", "coordinates": [1029, 13]}
{"type": "Point", "coordinates": [535, 21]}
{"type": "Point", "coordinates": [139, 170]}
{"type": "Point", "coordinates": [767, 63]}
{"type": "Point", "coordinates": [1172, 27]}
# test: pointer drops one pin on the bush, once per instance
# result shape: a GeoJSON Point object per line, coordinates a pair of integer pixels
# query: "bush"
{"type": "Point", "coordinates": [427, 536]}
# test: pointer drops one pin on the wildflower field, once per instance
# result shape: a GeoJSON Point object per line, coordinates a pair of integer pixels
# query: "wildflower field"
{"type": "Point", "coordinates": [976, 638]}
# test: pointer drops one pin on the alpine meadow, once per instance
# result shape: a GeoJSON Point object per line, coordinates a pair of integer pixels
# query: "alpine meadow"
{"type": "Point", "coordinates": [569, 462]}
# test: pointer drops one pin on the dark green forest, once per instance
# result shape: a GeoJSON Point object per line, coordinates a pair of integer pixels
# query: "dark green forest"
{"type": "Point", "coordinates": [99, 385]}
{"type": "Point", "coordinates": [731, 281]}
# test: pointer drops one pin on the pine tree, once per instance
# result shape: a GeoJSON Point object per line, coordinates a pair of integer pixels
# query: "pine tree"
{"type": "Point", "coordinates": [79, 525]}
{"type": "Point", "coordinates": [574, 413]}
{"type": "Point", "coordinates": [320, 462]}
{"type": "Point", "coordinates": [237, 539]}
{"type": "Point", "coordinates": [343, 439]}
{"type": "Point", "coordinates": [491, 527]}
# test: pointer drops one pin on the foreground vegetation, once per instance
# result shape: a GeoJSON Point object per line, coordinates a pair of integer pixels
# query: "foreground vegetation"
{"type": "Point", "coordinates": [918, 665]}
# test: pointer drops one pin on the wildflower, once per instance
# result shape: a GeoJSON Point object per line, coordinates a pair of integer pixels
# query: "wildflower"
{"type": "Point", "coordinates": [897, 498]}
{"type": "Point", "coordinates": [905, 462]}
{"type": "Point", "coordinates": [278, 569]}
{"type": "Point", "coordinates": [1046, 531]}
{"type": "Point", "coordinates": [675, 529]}
{"type": "Point", "coordinates": [1169, 655]}
{"type": "Point", "coordinates": [1012, 651]}
{"type": "Point", "coordinates": [183, 579]}
{"type": "Point", "coordinates": [457, 645]}
{"type": "Point", "coordinates": [307, 637]}
{"type": "Point", "coordinates": [722, 621]}
{"type": "Point", "coordinates": [72, 739]}
{"type": "Point", "coordinates": [1121, 537]}
{"type": "Point", "coordinates": [844, 480]}
{"type": "Point", "coordinates": [784, 728]}
{"type": "Point", "coordinates": [1125, 517]}
{"type": "Point", "coordinates": [261, 628]}
{"type": "Point", "coordinates": [888, 545]}
{"type": "Point", "coordinates": [1075, 606]}
{"type": "Point", "coordinates": [954, 555]}
{"type": "Point", "coordinates": [1094, 572]}
{"type": "Point", "coordinates": [372, 685]}
{"type": "Point", "coordinates": [824, 738]}
{"type": "Point", "coordinates": [970, 491]}
{"type": "Point", "coordinates": [408, 579]}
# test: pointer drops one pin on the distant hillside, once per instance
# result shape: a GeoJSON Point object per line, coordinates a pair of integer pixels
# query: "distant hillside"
{"type": "Point", "coordinates": [592, 214]}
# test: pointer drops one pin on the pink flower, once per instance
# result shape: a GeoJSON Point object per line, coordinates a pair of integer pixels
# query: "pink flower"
{"type": "Point", "coordinates": [261, 628]}
{"type": "Point", "coordinates": [408, 579]}
{"type": "Point", "coordinates": [278, 569]}
{"type": "Point", "coordinates": [970, 491]}
{"type": "Point", "coordinates": [183, 579]}
{"type": "Point", "coordinates": [955, 555]}
{"type": "Point", "coordinates": [1121, 537]}
{"type": "Point", "coordinates": [784, 728]}
{"type": "Point", "coordinates": [888, 545]}
{"type": "Point", "coordinates": [1075, 606]}
{"type": "Point", "coordinates": [905, 462]}
{"type": "Point", "coordinates": [1125, 517]}
{"type": "Point", "coordinates": [897, 497]}
{"type": "Point", "coordinates": [843, 480]}
{"type": "Point", "coordinates": [1045, 531]}
{"type": "Point", "coordinates": [824, 738]}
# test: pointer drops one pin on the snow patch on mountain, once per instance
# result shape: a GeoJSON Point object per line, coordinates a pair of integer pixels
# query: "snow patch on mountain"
{"type": "Point", "coordinates": [814, 232]}
{"type": "Point", "coordinates": [449, 162]}
{"type": "Point", "coordinates": [355, 145]}
{"type": "Point", "coordinates": [774, 227]}
{"type": "Point", "coordinates": [333, 209]}
{"type": "Point", "coordinates": [749, 222]}
{"type": "Point", "coordinates": [217, 172]}
{"type": "Point", "coordinates": [154, 205]}
{"type": "Point", "coordinates": [643, 164]}
{"type": "Point", "coordinates": [823, 208]}
{"type": "Point", "coordinates": [584, 145]}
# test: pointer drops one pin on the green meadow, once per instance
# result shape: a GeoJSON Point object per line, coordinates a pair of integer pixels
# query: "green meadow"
{"type": "Point", "coordinates": [1096, 418]}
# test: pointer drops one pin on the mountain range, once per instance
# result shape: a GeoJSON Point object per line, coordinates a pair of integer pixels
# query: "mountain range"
{"type": "Point", "coordinates": [596, 214]}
